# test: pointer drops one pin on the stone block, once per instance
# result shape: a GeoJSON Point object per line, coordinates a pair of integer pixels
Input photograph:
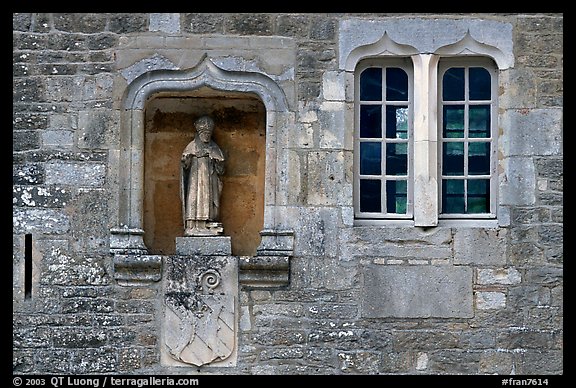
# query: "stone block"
{"type": "Point", "coordinates": [498, 276]}
{"type": "Point", "coordinates": [480, 246]}
{"type": "Point", "coordinates": [533, 132]}
{"type": "Point", "coordinates": [417, 292]}
{"type": "Point", "coordinates": [490, 300]}
{"type": "Point", "coordinates": [52, 221]}
{"type": "Point", "coordinates": [518, 184]}
{"type": "Point", "coordinates": [199, 245]}
{"type": "Point", "coordinates": [276, 242]}
{"type": "Point", "coordinates": [76, 174]}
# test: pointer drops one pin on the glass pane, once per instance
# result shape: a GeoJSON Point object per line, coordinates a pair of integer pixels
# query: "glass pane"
{"type": "Point", "coordinates": [453, 123]}
{"type": "Point", "coordinates": [480, 84]}
{"type": "Point", "coordinates": [479, 121]}
{"type": "Point", "coordinates": [396, 84]}
{"type": "Point", "coordinates": [396, 197]}
{"type": "Point", "coordinates": [371, 84]}
{"type": "Point", "coordinates": [478, 196]}
{"type": "Point", "coordinates": [397, 158]}
{"type": "Point", "coordinates": [453, 158]}
{"type": "Point", "coordinates": [370, 195]}
{"type": "Point", "coordinates": [452, 196]}
{"type": "Point", "coordinates": [370, 158]}
{"type": "Point", "coordinates": [479, 158]}
{"type": "Point", "coordinates": [397, 122]}
{"type": "Point", "coordinates": [453, 84]}
{"type": "Point", "coordinates": [371, 121]}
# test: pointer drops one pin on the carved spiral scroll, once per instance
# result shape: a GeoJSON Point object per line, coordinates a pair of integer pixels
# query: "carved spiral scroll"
{"type": "Point", "coordinates": [209, 280]}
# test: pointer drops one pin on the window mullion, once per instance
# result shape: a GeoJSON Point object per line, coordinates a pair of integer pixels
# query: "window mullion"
{"type": "Point", "coordinates": [425, 174]}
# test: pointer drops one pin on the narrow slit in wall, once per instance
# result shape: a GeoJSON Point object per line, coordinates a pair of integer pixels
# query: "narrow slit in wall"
{"type": "Point", "coordinates": [28, 266]}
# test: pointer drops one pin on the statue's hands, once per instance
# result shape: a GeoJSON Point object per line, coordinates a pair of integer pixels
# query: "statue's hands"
{"type": "Point", "coordinates": [185, 160]}
{"type": "Point", "coordinates": [219, 167]}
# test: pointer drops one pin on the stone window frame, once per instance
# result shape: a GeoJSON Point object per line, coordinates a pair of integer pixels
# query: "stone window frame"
{"type": "Point", "coordinates": [426, 42]}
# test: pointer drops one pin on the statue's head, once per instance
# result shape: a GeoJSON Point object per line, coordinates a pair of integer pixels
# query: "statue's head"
{"type": "Point", "coordinates": [204, 127]}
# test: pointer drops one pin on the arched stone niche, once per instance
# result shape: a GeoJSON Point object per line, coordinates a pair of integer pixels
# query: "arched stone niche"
{"type": "Point", "coordinates": [240, 131]}
{"type": "Point", "coordinates": [134, 261]}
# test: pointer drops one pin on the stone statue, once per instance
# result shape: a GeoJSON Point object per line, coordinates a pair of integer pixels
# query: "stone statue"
{"type": "Point", "coordinates": [202, 164]}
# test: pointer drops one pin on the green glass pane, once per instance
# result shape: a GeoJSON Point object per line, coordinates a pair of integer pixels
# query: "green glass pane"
{"type": "Point", "coordinates": [453, 158]}
{"type": "Point", "coordinates": [453, 84]}
{"type": "Point", "coordinates": [479, 121]}
{"type": "Point", "coordinates": [371, 84]}
{"type": "Point", "coordinates": [370, 158]}
{"type": "Point", "coordinates": [370, 121]}
{"type": "Point", "coordinates": [479, 158]}
{"type": "Point", "coordinates": [452, 196]}
{"type": "Point", "coordinates": [453, 121]}
{"type": "Point", "coordinates": [480, 84]}
{"type": "Point", "coordinates": [396, 122]}
{"type": "Point", "coordinates": [396, 84]}
{"type": "Point", "coordinates": [396, 196]}
{"type": "Point", "coordinates": [396, 158]}
{"type": "Point", "coordinates": [370, 195]}
{"type": "Point", "coordinates": [478, 196]}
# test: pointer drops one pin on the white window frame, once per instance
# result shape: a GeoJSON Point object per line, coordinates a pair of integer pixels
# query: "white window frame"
{"type": "Point", "coordinates": [467, 62]}
{"type": "Point", "coordinates": [406, 65]}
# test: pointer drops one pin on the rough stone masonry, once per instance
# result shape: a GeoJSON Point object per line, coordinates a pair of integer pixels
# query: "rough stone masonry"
{"type": "Point", "coordinates": [101, 105]}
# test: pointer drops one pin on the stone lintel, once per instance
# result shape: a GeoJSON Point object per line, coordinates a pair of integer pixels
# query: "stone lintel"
{"type": "Point", "coordinates": [204, 245]}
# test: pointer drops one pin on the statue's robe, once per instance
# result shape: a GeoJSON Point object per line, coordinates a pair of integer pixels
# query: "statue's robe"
{"type": "Point", "coordinates": [200, 180]}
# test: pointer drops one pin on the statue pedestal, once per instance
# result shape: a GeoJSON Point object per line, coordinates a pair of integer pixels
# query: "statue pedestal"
{"type": "Point", "coordinates": [204, 245]}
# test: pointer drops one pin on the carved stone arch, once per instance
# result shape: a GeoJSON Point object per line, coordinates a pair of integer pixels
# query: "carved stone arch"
{"type": "Point", "coordinates": [127, 236]}
{"type": "Point", "coordinates": [470, 46]}
{"type": "Point", "coordinates": [206, 73]}
{"type": "Point", "coordinates": [385, 46]}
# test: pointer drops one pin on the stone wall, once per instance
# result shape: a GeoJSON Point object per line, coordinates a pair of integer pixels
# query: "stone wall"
{"type": "Point", "coordinates": [451, 299]}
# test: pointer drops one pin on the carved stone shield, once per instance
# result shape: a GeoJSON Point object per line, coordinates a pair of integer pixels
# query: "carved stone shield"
{"type": "Point", "coordinates": [199, 329]}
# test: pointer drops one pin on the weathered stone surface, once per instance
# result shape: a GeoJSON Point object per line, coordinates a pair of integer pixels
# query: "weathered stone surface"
{"type": "Point", "coordinates": [417, 291]}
